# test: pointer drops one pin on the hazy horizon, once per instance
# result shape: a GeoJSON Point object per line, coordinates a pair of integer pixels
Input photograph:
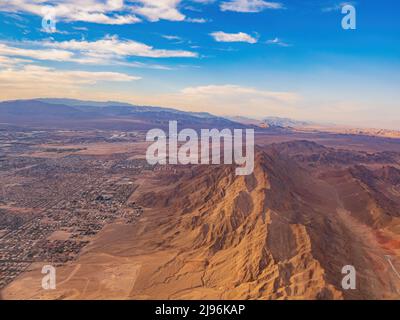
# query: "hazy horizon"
{"type": "Point", "coordinates": [237, 58]}
{"type": "Point", "coordinates": [259, 118]}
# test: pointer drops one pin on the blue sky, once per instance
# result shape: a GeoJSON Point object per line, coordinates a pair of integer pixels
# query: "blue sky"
{"type": "Point", "coordinates": [252, 58]}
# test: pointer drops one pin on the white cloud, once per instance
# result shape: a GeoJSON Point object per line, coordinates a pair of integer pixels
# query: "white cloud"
{"type": "Point", "coordinates": [8, 62]}
{"type": "Point", "coordinates": [101, 11]}
{"type": "Point", "coordinates": [33, 81]}
{"type": "Point", "coordinates": [204, 1]}
{"type": "Point", "coordinates": [155, 10]}
{"type": "Point", "coordinates": [98, 11]}
{"type": "Point", "coordinates": [33, 74]}
{"type": "Point", "coordinates": [196, 20]}
{"type": "Point", "coordinates": [54, 55]}
{"type": "Point", "coordinates": [337, 6]}
{"type": "Point", "coordinates": [171, 37]}
{"type": "Point", "coordinates": [249, 6]}
{"type": "Point", "coordinates": [80, 28]}
{"type": "Point", "coordinates": [221, 36]}
{"type": "Point", "coordinates": [107, 51]}
{"type": "Point", "coordinates": [112, 46]}
{"type": "Point", "coordinates": [235, 90]}
{"type": "Point", "coordinates": [278, 42]}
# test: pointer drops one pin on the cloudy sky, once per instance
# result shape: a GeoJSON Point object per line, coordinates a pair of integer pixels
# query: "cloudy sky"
{"type": "Point", "coordinates": [253, 58]}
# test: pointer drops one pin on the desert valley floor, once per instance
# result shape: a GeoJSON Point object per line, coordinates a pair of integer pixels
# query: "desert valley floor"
{"type": "Point", "coordinates": [115, 227]}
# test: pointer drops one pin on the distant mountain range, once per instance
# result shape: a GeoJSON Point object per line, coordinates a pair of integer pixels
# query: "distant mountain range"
{"type": "Point", "coordinates": [285, 122]}
{"type": "Point", "coordinates": [86, 104]}
{"type": "Point", "coordinates": [55, 113]}
{"type": "Point", "coordinates": [77, 114]}
{"type": "Point", "coordinates": [272, 122]}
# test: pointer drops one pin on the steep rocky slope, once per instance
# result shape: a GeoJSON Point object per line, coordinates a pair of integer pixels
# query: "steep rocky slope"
{"type": "Point", "coordinates": [284, 232]}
